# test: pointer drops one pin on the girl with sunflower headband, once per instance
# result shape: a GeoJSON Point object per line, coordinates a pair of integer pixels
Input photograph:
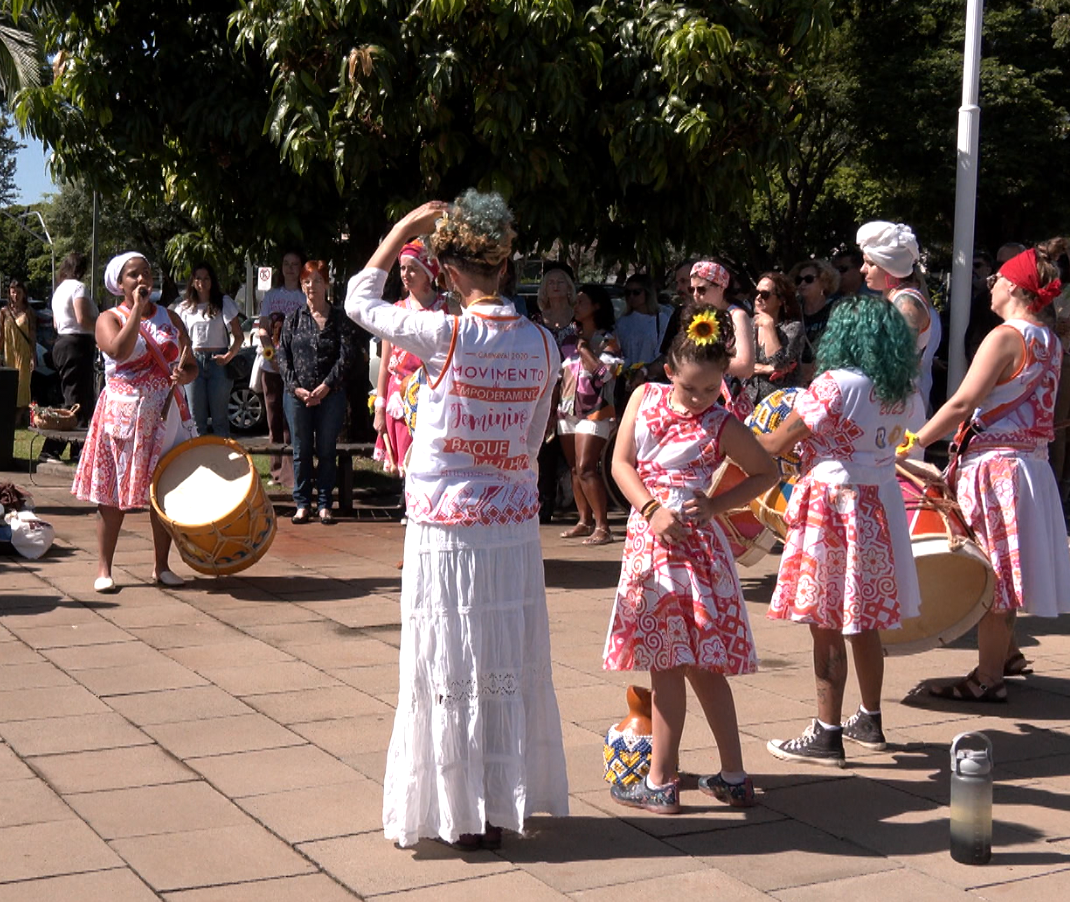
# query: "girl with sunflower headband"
{"type": "Point", "coordinates": [848, 570]}
{"type": "Point", "coordinates": [679, 610]}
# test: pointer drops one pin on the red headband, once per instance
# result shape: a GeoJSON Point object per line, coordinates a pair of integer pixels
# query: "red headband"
{"type": "Point", "coordinates": [418, 252]}
{"type": "Point", "coordinates": [1021, 271]}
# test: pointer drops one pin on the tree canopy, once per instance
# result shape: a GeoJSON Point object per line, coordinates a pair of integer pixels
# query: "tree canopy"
{"type": "Point", "coordinates": [637, 124]}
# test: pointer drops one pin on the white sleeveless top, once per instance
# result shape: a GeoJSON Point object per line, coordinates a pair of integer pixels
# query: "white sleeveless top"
{"type": "Point", "coordinates": [1021, 411]}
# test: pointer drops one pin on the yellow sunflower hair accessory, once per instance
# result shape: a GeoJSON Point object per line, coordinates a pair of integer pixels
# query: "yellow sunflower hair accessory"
{"type": "Point", "coordinates": [704, 328]}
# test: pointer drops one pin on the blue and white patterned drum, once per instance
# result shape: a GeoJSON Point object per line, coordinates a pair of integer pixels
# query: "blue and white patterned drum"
{"type": "Point", "coordinates": [769, 413]}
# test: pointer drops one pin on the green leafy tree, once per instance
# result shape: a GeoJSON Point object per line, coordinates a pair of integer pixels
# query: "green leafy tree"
{"type": "Point", "coordinates": [9, 148]}
{"type": "Point", "coordinates": [628, 126]}
{"type": "Point", "coordinates": [877, 135]}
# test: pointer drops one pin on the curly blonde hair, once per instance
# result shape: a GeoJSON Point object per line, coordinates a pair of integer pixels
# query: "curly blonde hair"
{"type": "Point", "coordinates": [476, 232]}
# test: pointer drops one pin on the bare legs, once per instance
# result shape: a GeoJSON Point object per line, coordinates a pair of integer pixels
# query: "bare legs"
{"type": "Point", "coordinates": [584, 453]}
{"type": "Point", "coordinates": [830, 670]}
{"type": "Point", "coordinates": [669, 709]}
{"type": "Point", "coordinates": [109, 522]}
{"type": "Point", "coordinates": [995, 644]}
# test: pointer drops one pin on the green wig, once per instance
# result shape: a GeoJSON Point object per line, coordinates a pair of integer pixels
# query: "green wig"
{"type": "Point", "coordinates": [870, 334]}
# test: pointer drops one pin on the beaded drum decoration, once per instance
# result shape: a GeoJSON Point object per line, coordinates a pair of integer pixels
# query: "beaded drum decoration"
{"type": "Point", "coordinates": [628, 744]}
{"type": "Point", "coordinates": [768, 414]}
{"type": "Point", "coordinates": [410, 393]}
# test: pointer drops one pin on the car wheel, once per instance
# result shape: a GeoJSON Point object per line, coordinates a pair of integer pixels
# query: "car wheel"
{"type": "Point", "coordinates": [245, 410]}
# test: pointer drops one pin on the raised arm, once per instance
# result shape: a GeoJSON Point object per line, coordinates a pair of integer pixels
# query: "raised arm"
{"type": "Point", "coordinates": [426, 335]}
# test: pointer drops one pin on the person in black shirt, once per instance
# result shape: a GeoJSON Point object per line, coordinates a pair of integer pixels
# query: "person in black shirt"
{"type": "Point", "coordinates": [316, 353]}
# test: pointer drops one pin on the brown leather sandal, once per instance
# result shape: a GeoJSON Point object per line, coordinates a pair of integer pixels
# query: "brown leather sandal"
{"type": "Point", "coordinates": [971, 689]}
{"type": "Point", "coordinates": [1017, 665]}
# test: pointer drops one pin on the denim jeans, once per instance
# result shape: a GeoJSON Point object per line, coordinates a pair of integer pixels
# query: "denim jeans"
{"type": "Point", "coordinates": [316, 428]}
{"type": "Point", "coordinates": [209, 394]}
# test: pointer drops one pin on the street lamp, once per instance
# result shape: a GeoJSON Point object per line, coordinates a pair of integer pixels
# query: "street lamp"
{"type": "Point", "coordinates": [47, 239]}
{"type": "Point", "coordinates": [44, 239]}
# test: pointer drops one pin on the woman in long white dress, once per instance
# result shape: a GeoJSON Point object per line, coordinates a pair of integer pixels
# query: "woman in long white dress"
{"type": "Point", "coordinates": [477, 736]}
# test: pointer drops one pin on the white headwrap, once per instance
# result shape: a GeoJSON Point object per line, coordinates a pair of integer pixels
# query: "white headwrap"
{"type": "Point", "coordinates": [114, 270]}
{"type": "Point", "coordinates": [891, 245]}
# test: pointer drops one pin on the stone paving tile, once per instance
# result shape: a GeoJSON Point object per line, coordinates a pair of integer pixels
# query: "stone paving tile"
{"type": "Point", "coordinates": [373, 611]}
{"type": "Point", "coordinates": [115, 885]}
{"type": "Point", "coordinates": [151, 810]}
{"type": "Point", "coordinates": [244, 652]}
{"type": "Point", "coordinates": [110, 769]}
{"type": "Point", "coordinates": [12, 767]}
{"type": "Point", "coordinates": [701, 814]}
{"type": "Point", "coordinates": [272, 770]}
{"type": "Point", "coordinates": [427, 864]}
{"type": "Point", "coordinates": [175, 705]}
{"type": "Point", "coordinates": [517, 885]}
{"type": "Point", "coordinates": [694, 886]}
{"type": "Point", "coordinates": [255, 679]}
{"type": "Point", "coordinates": [327, 703]}
{"type": "Point", "coordinates": [32, 676]}
{"type": "Point", "coordinates": [186, 860]}
{"type": "Point", "coordinates": [1048, 886]}
{"type": "Point", "coordinates": [115, 654]}
{"type": "Point", "coordinates": [263, 614]}
{"type": "Point", "coordinates": [206, 632]}
{"type": "Point", "coordinates": [781, 854]}
{"type": "Point", "coordinates": [349, 736]}
{"type": "Point", "coordinates": [76, 733]}
{"type": "Point", "coordinates": [901, 884]}
{"type": "Point", "coordinates": [65, 613]}
{"type": "Point", "coordinates": [165, 674]}
{"type": "Point", "coordinates": [310, 888]}
{"type": "Point", "coordinates": [287, 635]}
{"type": "Point", "coordinates": [355, 651]}
{"type": "Point", "coordinates": [222, 735]}
{"type": "Point", "coordinates": [51, 849]}
{"type": "Point", "coordinates": [379, 681]}
{"type": "Point", "coordinates": [320, 812]}
{"type": "Point", "coordinates": [94, 632]}
{"type": "Point", "coordinates": [588, 850]}
{"type": "Point", "coordinates": [30, 801]}
{"type": "Point", "coordinates": [60, 701]}
{"type": "Point", "coordinates": [13, 651]}
{"type": "Point", "coordinates": [131, 616]}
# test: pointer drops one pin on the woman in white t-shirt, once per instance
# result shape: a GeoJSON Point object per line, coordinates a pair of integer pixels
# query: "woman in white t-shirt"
{"type": "Point", "coordinates": [74, 316]}
{"type": "Point", "coordinates": [277, 305]}
{"type": "Point", "coordinates": [214, 326]}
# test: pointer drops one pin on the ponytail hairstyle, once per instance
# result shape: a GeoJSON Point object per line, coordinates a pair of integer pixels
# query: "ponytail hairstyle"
{"type": "Point", "coordinates": [705, 336]}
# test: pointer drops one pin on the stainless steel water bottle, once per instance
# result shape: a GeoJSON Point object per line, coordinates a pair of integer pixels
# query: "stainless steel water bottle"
{"type": "Point", "coordinates": [971, 800]}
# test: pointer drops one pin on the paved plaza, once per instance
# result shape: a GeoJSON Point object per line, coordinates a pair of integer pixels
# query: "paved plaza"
{"type": "Point", "coordinates": [226, 742]}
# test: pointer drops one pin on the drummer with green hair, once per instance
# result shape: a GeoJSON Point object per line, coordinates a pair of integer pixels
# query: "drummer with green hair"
{"type": "Point", "coordinates": [847, 569]}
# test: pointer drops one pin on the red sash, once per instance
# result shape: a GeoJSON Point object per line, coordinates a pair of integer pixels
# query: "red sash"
{"type": "Point", "coordinates": [156, 353]}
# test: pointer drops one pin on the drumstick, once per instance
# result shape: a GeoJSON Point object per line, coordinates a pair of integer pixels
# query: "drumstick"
{"type": "Point", "coordinates": [183, 357]}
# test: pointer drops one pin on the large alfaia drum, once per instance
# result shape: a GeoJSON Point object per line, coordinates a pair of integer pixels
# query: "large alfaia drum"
{"type": "Point", "coordinates": [748, 540]}
{"type": "Point", "coordinates": [955, 576]}
{"type": "Point", "coordinates": [208, 494]}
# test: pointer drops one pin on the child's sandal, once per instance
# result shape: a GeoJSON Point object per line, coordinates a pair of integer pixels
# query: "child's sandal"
{"type": "Point", "coordinates": [1017, 665]}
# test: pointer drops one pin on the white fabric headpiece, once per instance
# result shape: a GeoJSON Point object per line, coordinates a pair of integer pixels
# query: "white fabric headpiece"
{"type": "Point", "coordinates": [891, 245]}
{"type": "Point", "coordinates": [114, 270]}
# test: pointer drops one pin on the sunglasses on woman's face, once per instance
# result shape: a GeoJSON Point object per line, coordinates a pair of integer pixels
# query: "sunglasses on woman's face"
{"type": "Point", "coordinates": [765, 295]}
{"type": "Point", "coordinates": [700, 290]}
{"type": "Point", "coordinates": [634, 292]}
{"type": "Point", "coordinates": [992, 279]}
{"type": "Point", "coordinates": [799, 280]}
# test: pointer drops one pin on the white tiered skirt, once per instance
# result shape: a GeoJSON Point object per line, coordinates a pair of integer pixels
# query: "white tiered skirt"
{"type": "Point", "coordinates": [477, 735]}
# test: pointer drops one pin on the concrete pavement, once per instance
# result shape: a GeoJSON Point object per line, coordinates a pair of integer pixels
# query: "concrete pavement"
{"type": "Point", "coordinates": [226, 741]}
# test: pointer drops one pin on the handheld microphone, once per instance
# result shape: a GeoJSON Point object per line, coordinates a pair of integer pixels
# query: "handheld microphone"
{"type": "Point", "coordinates": [143, 292]}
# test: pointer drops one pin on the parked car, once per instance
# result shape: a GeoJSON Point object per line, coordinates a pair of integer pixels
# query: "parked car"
{"type": "Point", "coordinates": [246, 410]}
